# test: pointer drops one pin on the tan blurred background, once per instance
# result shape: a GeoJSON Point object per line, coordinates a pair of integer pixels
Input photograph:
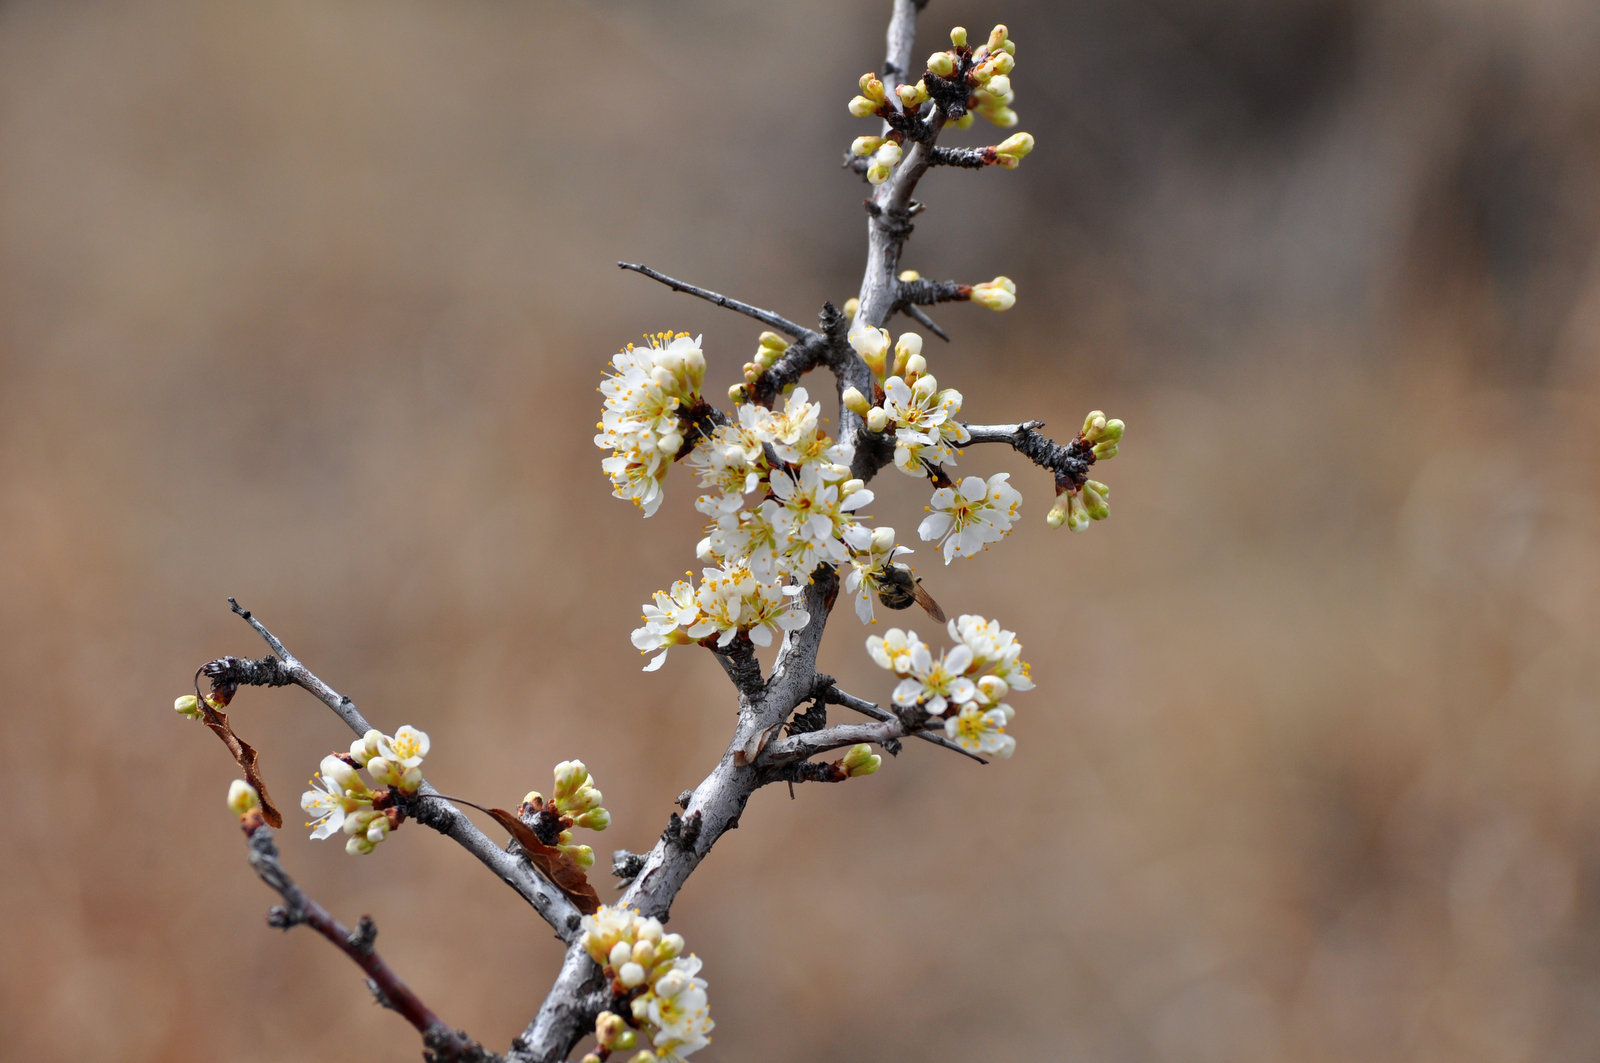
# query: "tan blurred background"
{"type": "Point", "coordinates": [306, 303]}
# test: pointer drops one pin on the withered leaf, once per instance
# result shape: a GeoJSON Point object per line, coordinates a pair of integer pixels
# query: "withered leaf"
{"type": "Point", "coordinates": [554, 864]}
{"type": "Point", "coordinates": [246, 755]}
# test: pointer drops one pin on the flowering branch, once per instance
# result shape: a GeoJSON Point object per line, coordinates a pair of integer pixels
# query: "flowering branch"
{"type": "Point", "coordinates": [441, 1042]}
{"type": "Point", "coordinates": [834, 696]}
{"type": "Point", "coordinates": [442, 816]}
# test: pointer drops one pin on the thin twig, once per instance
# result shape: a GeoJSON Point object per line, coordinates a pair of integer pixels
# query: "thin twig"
{"type": "Point", "coordinates": [547, 900]}
{"type": "Point", "coordinates": [834, 696]}
{"type": "Point", "coordinates": [441, 1041]}
{"type": "Point", "coordinates": [766, 317]}
{"type": "Point", "coordinates": [1070, 461]}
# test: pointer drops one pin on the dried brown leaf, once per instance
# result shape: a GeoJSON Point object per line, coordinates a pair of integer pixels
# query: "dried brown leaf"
{"type": "Point", "coordinates": [552, 863]}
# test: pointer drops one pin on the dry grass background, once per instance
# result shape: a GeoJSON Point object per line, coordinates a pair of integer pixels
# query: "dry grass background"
{"type": "Point", "coordinates": [306, 302]}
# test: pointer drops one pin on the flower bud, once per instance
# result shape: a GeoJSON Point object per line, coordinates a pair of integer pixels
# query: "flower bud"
{"type": "Point", "coordinates": [384, 772]}
{"type": "Point", "coordinates": [1094, 500]}
{"type": "Point", "coordinates": [882, 540]}
{"type": "Point", "coordinates": [871, 87]}
{"type": "Point", "coordinates": [998, 294]}
{"type": "Point", "coordinates": [772, 341]}
{"type": "Point", "coordinates": [909, 344]}
{"type": "Point", "coordinates": [914, 367]}
{"type": "Point", "coordinates": [869, 342]}
{"type": "Point", "coordinates": [608, 1027]}
{"type": "Point", "coordinates": [862, 107]}
{"type": "Point", "coordinates": [1002, 116]}
{"type": "Point", "coordinates": [582, 855]}
{"type": "Point", "coordinates": [909, 275]}
{"type": "Point", "coordinates": [242, 797]}
{"type": "Point", "coordinates": [668, 946]}
{"type": "Point", "coordinates": [1077, 514]}
{"type": "Point", "coordinates": [942, 64]}
{"type": "Point", "coordinates": [877, 419]}
{"type": "Point", "coordinates": [1058, 512]}
{"type": "Point", "coordinates": [860, 760]}
{"type": "Point", "coordinates": [360, 845]}
{"type": "Point", "coordinates": [851, 305]}
{"type": "Point", "coordinates": [964, 122]}
{"type": "Point", "coordinates": [1093, 425]}
{"type": "Point", "coordinates": [585, 800]}
{"type": "Point", "coordinates": [992, 689]}
{"type": "Point", "coordinates": [409, 780]}
{"type": "Point", "coordinates": [671, 984]}
{"type": "Point", "coordinates": [997, 38]}
{"type": "Point", "coordinates": [630, 974]}
{"type": "Point", "coordinates": [188, 706]}
{"type": "Point", "coordinates": [620, 954]}
{"type": "Point", "coordinates": [854, 401]}
{"type": "Point", "coordinates": [1105, 451]}
{"type": "Point", "coordinates": [570, 775]}
{"type": "Point", "coordinates": [736, 394]}
{"type": "Point", "coordinates": [365, 748]}
{"type": "Point", "coordinates": [958, 36]}
{"type": "Point", "coordinates": [596, 819]}
{"type": "Point", "coordinates": [1015, 146]}
{"type": "Point", "coordinates": [335, 770]}
{"type": "Point", "coordinates": [865, 145]}
{"type": "Point", "coordinates": [644, 953]}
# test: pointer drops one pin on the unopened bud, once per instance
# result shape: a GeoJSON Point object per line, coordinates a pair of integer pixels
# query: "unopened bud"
{"type": "Point", "coordinates": [1094, 500]}
{"type": "Point", "coordinates": [871, 87]}
{"type": "Point", "coordinates": [1002, 116]}
{"type": "Point", "coordinates": [736, 394]}
{"type": "Point", "coordinates": [630, 974]}
{"type": "Point", "coordinates": [1077, 514]}
{"type": "Point", "coordinates": [188, 706]}
{"type": "Point", "coordinates": [860, 760]}
{"type": "Point", "coordinates": [570, 774]}
{"type": "Point", "coordinates": [608, 1026]}
{"type": "Point", "coordinates": [862, 107]}
{"type": "Point", "coordinates": [869, 342]}
{"type": "Point", "coordinates": [958, 36]}
{"type": "Point", "coordinates": [1058, 512]}
{"type": "Point", "coordinates": [865, 145]}
{"type": "Point", "coordinates": [854, 401]}
{"type": "Point", "coordinates": [998, 294]}
{"type": "Point", "coordinates": [882, 540]}
{"type": "Point", "coordinates": [594, 819]}
{"type": "Point", "coordinates": [1015, 146]}
{"type": "Point", "coordinates": [877, 419]}
{"type": "Point", "coordinates": [851, 305]}
{"type": "Point", "coordinates": [964, 122]}
{"type": "Point", "coordinates": [772, 341]}
{"type": "Point", "coordinates": [913, 366]}
{"type": "Point", "coordinates": [908, 275]}
{"type": "Point", "coordinates": [997, 38]}
{"type": "Point", "coordinates": [1105, 451]}
{"type": "Point", "coordinates": [242, 797]}
{"type": "Point", "coordinates": [908, 345]}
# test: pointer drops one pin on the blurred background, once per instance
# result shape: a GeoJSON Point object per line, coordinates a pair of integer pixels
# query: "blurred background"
{"type": "Point", "coordinates": [306, 303]}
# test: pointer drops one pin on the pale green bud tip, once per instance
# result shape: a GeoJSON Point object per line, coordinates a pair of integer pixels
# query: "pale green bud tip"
{"type": "Point", "coordinates": [1089, 424]}
{"type": "Point", "coordinates": [736, 394]}
{"type": "Point", "coordinates": [851, 305]}
{"type": "Point", "coordinates": [865, 145]}
{"type": "Point", "coordinates": [958, 36]}
{"type": "Point", "coordinates": [942, 63]}
{"type": "Point", "coordinates": [860, 760]}
{"type": "Point", "coordinates": [861, 107]}
{"type": "Point", "coordinates": [570, 775]}
{"type": "Point", "coordinates": [189, 706]}
{"type": "Point", "coordinates": [1058, 512]}
{"type": "Point", "coordinates": [772, 341]}
{"type": "Point", "coordinates": [242, 797]}
{"type": "Point", "coordinates": [855, 401]}
{"type": "Point", "coordinates": [910, 275]}
{"type": "Point", "coordinates": [596, 819]}
{"type": "Point", "coordinates": [1015, 146]}
{"type": "Point", "coordinates": [1077, 514]}
{"type": "Point", "coordinates": [877, 419]}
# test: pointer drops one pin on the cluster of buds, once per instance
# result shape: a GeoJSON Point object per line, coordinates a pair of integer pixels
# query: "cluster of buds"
{"type": "Point", "coordinates": [965, 686]}
{"type": "Point", "coordinates": [340, 800]}
{"type": "Point", "coordinates": [997, 295]}
{"type": "Point", "coordinates": [650, 401]}
{"type": "Point", "coordinates": [860, 760]}
{"type": "Point", "coordinates": [660, 1006]}
{"type": "Point", "coordinates": [909, 401]}
{"type": "Point", "coordinates": [574, 803]}
{"type": "Point", "coordinates": [769, 348]}
{"type": "Point", "coordinates": [883, 154]}
{"type": "Point", "coordinates": [1077, 505]}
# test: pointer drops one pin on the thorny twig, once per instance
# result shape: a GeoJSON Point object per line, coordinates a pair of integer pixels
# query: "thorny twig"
{"type": "Point", "coordinates": [442, 816]}
{"type": "Point", "coordinates": [441, 1043]}
{"type": "Point", "coordinates": [766, 317]}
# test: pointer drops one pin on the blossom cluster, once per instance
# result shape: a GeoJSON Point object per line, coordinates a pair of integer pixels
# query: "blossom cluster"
{"type": "Point", "coordinates": [964, 686]}
{"type": "Point", "coordinates": [662, 1005]}
{"type": "Point", "coordinates": [575, 802]}
{"type": "Point", "coordinates": [340, 800]}
{"type": "Point", "coordinates": [648, 402]}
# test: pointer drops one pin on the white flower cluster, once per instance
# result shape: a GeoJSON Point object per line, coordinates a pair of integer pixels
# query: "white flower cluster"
{"type": "Point", "coordinates": [340, 800]}
{"type": "Point", "coordinates": [647, 400]}
{"type": "Point", "coordinates": [666, 1015]}
{"type": "Point", "coordinates": [965, 686]}
{"type": "Point", "coordinates": [730, 599]}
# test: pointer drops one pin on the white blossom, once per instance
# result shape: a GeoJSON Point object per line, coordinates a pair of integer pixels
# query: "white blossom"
{"type": "Point", "coordinates": [982, 730]}
{"type": "Point", "coordinates": [967, 517]}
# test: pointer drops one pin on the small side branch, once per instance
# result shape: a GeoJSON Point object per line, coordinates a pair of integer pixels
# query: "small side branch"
{"type": "Point", "coordinates": [1070, 462]}
{"type": "Point", "coordinates": [965, 158]}
{"type": "Point", "coordinates": [551, 904]}
{"type": "Point", "coordinates": [440, 1041]}
{"type": "Point", "coordinates": [834, 696]}
{"type": "Point", "coordinates": [766, 317]}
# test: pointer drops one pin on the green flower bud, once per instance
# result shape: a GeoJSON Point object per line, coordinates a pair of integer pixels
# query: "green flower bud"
{"type": "Point", "coordinates": [860, 760]}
